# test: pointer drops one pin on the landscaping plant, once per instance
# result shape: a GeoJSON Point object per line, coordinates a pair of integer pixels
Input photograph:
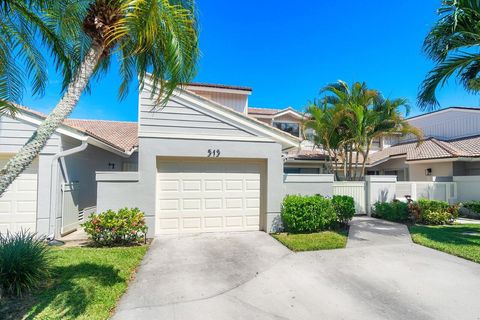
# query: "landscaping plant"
{"type": "Point", "coordinates": [127, 226]}
{"type": "Point", "coordinates": [24, 263]}
{"type": "Point", "coordinates": [471, 209]}
{"type": "Point", "coordinates": [435, 212]}
{"type": "Point", "coordinates": [396, 211]}
{"type": "Point", "coordinates": [305, 214]}
{"type": "Point", "coordinates": [344, 207]}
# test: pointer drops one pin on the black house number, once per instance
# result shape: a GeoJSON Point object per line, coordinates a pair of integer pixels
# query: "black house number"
{"type": "Point", "coordinates": [213, 153]}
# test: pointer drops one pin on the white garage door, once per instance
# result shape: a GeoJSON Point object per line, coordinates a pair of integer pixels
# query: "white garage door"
{"type": "Point", "coordinates": [207, 196]}
{"type": "Point", "coordinates": [18, 206]}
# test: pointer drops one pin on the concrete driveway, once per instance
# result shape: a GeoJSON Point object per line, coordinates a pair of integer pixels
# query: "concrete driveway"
{"type": "Point", "coordinates": [380, 275]}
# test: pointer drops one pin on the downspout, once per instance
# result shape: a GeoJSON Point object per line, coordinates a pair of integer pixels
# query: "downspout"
{"type": "Point", "coordinates": [53, 183]}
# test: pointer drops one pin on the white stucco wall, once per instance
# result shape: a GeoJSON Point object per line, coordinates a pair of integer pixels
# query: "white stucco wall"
{"type": "Point", "coordinates": [439, 169]}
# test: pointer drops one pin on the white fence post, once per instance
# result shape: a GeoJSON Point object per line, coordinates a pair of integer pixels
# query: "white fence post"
{"type": "Point", "coordinates": [379, 189]}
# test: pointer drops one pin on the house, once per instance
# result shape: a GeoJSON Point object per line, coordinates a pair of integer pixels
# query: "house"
{"type": "Point", "coordinates": [198, 163]}
{"type": "Point", "coordinates": [451, 147]}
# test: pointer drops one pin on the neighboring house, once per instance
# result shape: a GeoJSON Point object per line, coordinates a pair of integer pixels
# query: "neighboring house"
{"type": "Point", "coordinates": [59, 187]}
{"type": "Point", "coordinates": [451, 147]}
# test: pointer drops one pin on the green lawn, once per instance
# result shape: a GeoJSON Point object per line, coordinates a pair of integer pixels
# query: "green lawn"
{"type": "Point", "coordinates": [462, 240]}
{"type": "Point", "coordinates": [86, 284]}
{"type": "Point", "coordinates": [313, 241]}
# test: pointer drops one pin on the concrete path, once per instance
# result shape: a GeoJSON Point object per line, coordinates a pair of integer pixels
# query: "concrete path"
{"type": "Point", "coordinates": [251, 276]}
{"type": "Point", "coordinates": [366, 231]}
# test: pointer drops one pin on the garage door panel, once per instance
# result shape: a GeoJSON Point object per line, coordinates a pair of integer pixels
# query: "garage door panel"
{"type": "Point", "coordinates": [18, 205]}
{"type": "Point", "coordinates": [197, 197]}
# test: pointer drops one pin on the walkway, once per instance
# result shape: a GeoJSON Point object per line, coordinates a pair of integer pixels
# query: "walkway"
{"type": "Point", "coordinates": [367, 231]}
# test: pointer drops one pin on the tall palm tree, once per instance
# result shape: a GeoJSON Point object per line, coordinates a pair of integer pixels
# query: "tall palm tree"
{"type": "Point", "coordinates": [156, 36]}
{"type": "Point", "coordinates": [20, 57]}
{"type": "Point", "coordinates": [349, 118]}
{"type": "Point", "coordinates": [453, 44]}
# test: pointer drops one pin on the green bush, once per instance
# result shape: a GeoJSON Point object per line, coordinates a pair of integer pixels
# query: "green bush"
{"type": "Point", "coordinates": [304, 214]}
{"type": "Point", "coordinates": [127, 226]}
{"type": "Point", "coordinates": [473, 209]}
{"type": "Point", "coordinates": [396, 211]}
{"type": "Point", "coordinates": [344, 207]}
{"type": "Point", "coordinates": [24, 263]}
{"type": "Point", "coordinates": [435, 212]}
{"type": "Point", "coordinates": [433, 218]}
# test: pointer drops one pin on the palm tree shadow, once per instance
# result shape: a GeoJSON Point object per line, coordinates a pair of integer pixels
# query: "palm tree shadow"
{"type": "Point", "coordinates": [71, 298]}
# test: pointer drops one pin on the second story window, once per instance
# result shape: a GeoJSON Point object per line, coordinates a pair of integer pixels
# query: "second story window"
{"type": "Point", "coordinates": [290, 127]}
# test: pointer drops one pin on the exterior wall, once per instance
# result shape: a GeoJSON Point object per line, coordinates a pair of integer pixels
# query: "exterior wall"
{"type": "Point", "coordinates": [308, 184]}
{"type": "Point", "coordinates": [81, 168]}
{"type": "Point", "coordinates": [177, 118]}
{"type": "Point", "coordinates": [449, 124]}
{"type": "Point", "coordinates": [354, 189]}
{"type": "Point", "coordinates": [315, 165]}
{"type": "Point", "coordinates": [14, 133]}
{"type": "Point", "coordinates": [439, 169]}
{"type": "Point", "coordinates": [238, 102]}
{"type": "Point", "coordinates": [468, 188]}
{"type": "Point", "coordinates": [128, 192]}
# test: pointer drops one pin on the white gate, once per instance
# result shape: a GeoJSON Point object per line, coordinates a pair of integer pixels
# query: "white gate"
{"type": "Point", "coordinates": [355, 189]}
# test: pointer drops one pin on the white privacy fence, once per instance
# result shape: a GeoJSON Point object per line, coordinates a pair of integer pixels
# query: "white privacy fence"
{"type": "Point", "coordinates": [354, 189]}
{"type": "Point", "coordinates": [444, 191]}
{"type": "Point", "coordinates": [384, 188]}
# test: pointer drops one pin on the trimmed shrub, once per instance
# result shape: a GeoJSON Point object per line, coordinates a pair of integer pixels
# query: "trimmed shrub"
{"type": "Point", "coordinates": [306, 214]}
{"type": "Point", "coordinates": [396, 211]}
{"type": "Point", "coordinates": [433, 218]}
{"type": "Point", "coordinates": [435, 212]}
{"type": "Point", "coordinates": [344, 207]}
{"type": "Point", "coordinates": [127, 226]}
{"type": "Point", "coordinates": [24, 263]}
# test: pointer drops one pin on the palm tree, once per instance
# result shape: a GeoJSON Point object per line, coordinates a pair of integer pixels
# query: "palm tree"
{"type": "Point", "coordinates": [156, 36]}
{"type": "Point", "coordinates": [347, 121]}
{"type": "Point", "coordinates": [452, 44]}
{"type": "Point", "coordinates": [20, 25]}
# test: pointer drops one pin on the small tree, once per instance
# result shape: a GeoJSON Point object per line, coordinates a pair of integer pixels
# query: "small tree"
{"type": "Point", "coordinates": [347, 120]}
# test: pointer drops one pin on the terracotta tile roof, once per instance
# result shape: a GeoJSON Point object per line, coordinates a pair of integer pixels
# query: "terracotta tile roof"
{"type": "Point", "coordinates": [431, 149]}
{"type": "Point", "coordinates": [118, 134]}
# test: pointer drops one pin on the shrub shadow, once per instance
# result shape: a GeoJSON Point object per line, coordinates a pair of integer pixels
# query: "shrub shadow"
{"type": "Point", "coordinates": [69, 295]}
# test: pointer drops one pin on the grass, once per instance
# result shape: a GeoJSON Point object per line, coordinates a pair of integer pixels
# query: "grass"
{"type": "Point", "coordinates": [462, 240]}
{"type": "Point", "coordinates": [325, 240]}
{"type": "Point", "coordinates": [86, 284]}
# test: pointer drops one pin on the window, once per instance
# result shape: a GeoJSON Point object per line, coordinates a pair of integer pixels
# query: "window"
{"type": "Point", "coordinates": [290, 127]}
{"type": "Point", "coordinates": [376, 144]}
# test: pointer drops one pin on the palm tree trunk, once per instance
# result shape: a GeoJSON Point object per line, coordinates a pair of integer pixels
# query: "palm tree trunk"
{"type": "Point", "coordinates": [356, 165]}
{"type": "Point", "coordinates": [16, 165]}
{"type": "Point", "coordinates": [365, 158]}
{"type": "Point", "coordinates": [350, 162]}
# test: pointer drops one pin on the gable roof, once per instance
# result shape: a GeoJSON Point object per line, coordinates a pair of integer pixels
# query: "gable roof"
{"type": "Point", "coordinates": [217, 86]}
{"type": "Point", "coordinates": [474, 109]}
{"type": "Point", "coordinates": [272, 113]}
{"type": "Point", "coordinates": [120, 135]}
{"type": "Point", "coordinates": [430, 149]}
{"type": "Point", "coordinates": [239, 118]}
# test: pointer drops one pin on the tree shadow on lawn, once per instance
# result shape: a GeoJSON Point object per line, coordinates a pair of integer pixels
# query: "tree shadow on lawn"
{"type": "Point", "coordinates": [455, 235]}
{"type": "Point", "coordinates": [70, 291]}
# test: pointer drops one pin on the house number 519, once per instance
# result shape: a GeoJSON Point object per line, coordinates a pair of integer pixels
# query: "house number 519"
{"type": "Point", "coordinates": [215, 153]}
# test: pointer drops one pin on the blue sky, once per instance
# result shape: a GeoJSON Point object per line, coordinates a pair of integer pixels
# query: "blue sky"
{"type": "Point", "coordinates": [287, 51]}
